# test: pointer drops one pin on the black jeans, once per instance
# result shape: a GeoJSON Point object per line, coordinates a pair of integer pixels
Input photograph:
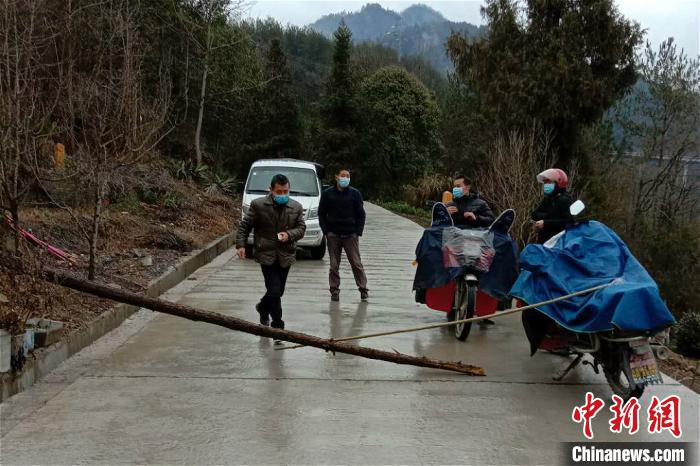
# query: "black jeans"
{"type": "Point", "coordinates": [275, 281]}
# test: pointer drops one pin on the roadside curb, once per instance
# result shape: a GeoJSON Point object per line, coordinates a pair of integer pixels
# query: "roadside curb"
{"type": "Point", "coordinates": [45, 360]}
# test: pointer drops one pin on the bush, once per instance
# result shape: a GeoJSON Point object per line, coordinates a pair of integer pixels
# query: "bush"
{"type": "Point", "coordinates": [427, 188]}
{"type": "Point", "coordinates": [423, 216]}
{"type": "Point", "coordinates": [688, 335]}
{"type": "Point", "coordinates": [672, 258]}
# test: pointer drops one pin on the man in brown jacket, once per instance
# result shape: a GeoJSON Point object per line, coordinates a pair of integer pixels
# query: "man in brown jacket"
{"type": "Point", "coordinates": [277, 223]}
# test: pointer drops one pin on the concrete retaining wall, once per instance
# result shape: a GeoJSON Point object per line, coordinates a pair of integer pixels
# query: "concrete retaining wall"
{"type": "Point", "coordinates": [44, 360]}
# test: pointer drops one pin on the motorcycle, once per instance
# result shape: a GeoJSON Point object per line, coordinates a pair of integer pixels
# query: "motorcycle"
{"type": "Point", "coordinates": [627, 357]}
{"type": "Point", "coordinates": [485, 266]}
{"type": "Point", "coordinates": [627, 361]}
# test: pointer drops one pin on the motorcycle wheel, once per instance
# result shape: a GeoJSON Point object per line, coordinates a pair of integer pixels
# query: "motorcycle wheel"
{"type": "Point", "coordinates": [619, 375]}
{"type": "Point", "coordinates": [465, 306]}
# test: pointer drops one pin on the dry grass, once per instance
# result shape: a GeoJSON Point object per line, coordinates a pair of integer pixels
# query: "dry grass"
{"type": "Point", "coordinates": [509, 181]}
{"type": "Point", "coordinates": [129, 232]}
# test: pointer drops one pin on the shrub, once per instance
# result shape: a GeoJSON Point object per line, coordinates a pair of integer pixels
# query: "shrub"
{"type": "Point", "coordinates": [688, 335]}
{"type": "Point", "coordinates": [427, 188]}
{"type": "Point", "coordinates": [404, 209]}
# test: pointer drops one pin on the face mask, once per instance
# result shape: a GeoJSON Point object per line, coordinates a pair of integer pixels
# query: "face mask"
{"type": "Point", "coordinates": [548, 188]}
{"type": "Point", "coordinates": [343, 182]}
{"type": "Point", "coordinates": [281, 199]}
{"type": "Point", "coordinates": [457, 192]}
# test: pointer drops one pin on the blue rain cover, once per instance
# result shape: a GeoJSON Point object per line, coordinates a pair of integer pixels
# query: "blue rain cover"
{"type": "Point", "coordinates": [431, 272]}
{"type": "Point", "coordinates": [504, 269]}
{"type": "Point", "coordinates": [587, 255]}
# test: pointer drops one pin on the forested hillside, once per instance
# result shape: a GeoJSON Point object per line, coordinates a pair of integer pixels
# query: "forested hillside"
{"type": "Point", "coordinates": [417, 31]}
{"type": "Point", "coordinates": [118, 103]}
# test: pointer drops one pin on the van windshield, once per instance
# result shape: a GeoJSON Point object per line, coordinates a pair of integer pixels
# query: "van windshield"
{"type": "Point", "coordinates": [302, 181]}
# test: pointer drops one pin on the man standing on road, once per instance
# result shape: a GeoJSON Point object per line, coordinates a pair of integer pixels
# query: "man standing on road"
{"type": "Point", "coordinates": [277, 223]}
{"type": "Point", "coordinates": [468, 209]}
{"type": "Point", "coordinates": [342, 218]}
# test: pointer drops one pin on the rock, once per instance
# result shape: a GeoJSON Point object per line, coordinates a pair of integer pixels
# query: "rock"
{"type": "Point", "coordinates": [3, 299]}
{"type": "Point", "coordinates": [147, 261]}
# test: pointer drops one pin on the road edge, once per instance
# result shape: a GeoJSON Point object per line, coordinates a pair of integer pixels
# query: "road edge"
{"type": "Point", "coordinates": [44, 360]}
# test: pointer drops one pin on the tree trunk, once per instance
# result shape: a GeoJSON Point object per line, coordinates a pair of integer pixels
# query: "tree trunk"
{"type": "Point", "coordinates": [99, 194]}
{"type": "Point", "coordinates": [202, 100]}
{"type": "Point", "coordinates": [14, 208]}
{"type": "Point", "coordinates": [200, 117]}
{"type": "Point", "coordinates": [233, 323]}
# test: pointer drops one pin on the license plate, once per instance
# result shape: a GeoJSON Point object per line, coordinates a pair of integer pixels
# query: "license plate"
{"type": "Point", "coordinates": [643, 364]}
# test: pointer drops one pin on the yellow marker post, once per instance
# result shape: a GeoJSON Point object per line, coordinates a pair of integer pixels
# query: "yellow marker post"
{"type": "Point", "coordinates": [59, 156]}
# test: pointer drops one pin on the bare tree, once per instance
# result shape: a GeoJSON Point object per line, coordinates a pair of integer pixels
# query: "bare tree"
{"type": "Point", "coordinates": [509, 180]}
{"type": "Point", "coordinates": [661, 123]}
{"type": "Point", "coordinates": [26, 63]}
{"type": "Point", "coordinates": [115, 125]}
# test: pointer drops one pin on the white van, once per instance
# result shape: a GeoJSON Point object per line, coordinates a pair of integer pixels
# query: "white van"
{"type": "Point", "coordinates": [305, 188]}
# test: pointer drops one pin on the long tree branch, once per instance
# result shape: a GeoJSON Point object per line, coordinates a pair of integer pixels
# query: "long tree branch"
{"type": "Point", "coordinates": [233, 323]}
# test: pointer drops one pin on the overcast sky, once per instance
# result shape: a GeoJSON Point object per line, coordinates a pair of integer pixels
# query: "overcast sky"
{"type": "Point", "coordinates": [661, 18]}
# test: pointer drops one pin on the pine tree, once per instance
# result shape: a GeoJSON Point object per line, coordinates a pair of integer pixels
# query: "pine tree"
{"type": "Point", "coordinates": [340, 86]}
{"type": "Point", "coordinates": [557, 63]}
{"type": "Point", "coordinates": [280, 123]}
{"type": "Point", "coordinates": [338, 132]}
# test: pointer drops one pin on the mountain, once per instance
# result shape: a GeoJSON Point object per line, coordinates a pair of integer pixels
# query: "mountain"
{"type": "Point", "coordinates": [418, 30]}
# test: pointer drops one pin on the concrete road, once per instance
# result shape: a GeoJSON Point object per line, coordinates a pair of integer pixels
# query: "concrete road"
{"type": "Point", "coordinates": [165, 390]}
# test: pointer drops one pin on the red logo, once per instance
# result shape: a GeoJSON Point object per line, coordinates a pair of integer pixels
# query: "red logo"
{"type": "Point", "coordinates": [587, 412]}
{"type": "Point", "coordinates": [626, 415]}
{"type": "Point", "coordinates": [665, 415]}
{"type": "Point", "coordinates": [662, 415]}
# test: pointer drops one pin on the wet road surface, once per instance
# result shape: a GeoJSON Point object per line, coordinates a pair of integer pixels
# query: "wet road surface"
{"type": "Point", "coordinates": [169, 391]}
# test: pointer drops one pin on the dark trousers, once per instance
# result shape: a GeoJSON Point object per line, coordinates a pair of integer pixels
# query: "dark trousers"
{"type": "Point", "coordinates": [271, 303]}
{"type": "Point", "coordinates": [351, 244]}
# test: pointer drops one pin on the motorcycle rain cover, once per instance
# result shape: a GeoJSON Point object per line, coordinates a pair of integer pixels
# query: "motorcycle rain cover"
{"type": "Point", "coordinates": [586, 255]}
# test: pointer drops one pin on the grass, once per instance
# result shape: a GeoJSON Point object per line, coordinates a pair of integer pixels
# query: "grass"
{"type": "Point", "coordinates": [420, 216]}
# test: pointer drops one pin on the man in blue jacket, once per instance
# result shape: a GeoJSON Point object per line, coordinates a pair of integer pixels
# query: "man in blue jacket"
{"type": "Point", "coordinates": [342, 218]}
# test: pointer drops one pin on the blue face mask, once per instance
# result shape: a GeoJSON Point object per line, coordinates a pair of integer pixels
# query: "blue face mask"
{"type": "Point", "coordinates": [343, 182]}
{"type": "Point", "coordinates": [281, 199]}
{"type": "Point", "coordinates": [457, 192]}
{"type": "Point", "coordinates": [548, 188]}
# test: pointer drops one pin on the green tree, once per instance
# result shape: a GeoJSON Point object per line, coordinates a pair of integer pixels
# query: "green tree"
{"type": "Point", "coordinates": [399, 133]}
{"type": "Point", "coordinates": [659, 122]}
{"type": "Point", "coordinates": [558, 63]}
{"type": "Point", "coordinates": [459, 128]}
{"type": "Point", "coordinates": [279, 123]}
{"type": "Point", "coordinates": [337, 112]}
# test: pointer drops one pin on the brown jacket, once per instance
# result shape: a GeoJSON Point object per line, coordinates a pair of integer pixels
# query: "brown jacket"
{"type": "Point", "coordinates": [266, 219]}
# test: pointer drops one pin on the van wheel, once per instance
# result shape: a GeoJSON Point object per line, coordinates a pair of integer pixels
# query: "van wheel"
{"type": "Point", "coordinates": [319, 251]}
{"type": "Point", "coordinates": [249, 251]}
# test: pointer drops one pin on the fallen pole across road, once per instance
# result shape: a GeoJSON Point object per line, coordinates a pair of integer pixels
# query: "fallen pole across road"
{"type": "Point", "coordinates": [234, 323]}
{"type": "Point", "coordinates": [470, 320]}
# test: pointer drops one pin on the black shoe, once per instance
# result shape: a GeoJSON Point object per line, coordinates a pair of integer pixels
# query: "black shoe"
{"type": "Point", "coordinates": [364, 295]}
{"type": "Point", "coordinates": [335, 296]}
{"type": "Point", "coordinates": [277, 324]}
{"type": "Point", "coordinates": [264, 320]}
